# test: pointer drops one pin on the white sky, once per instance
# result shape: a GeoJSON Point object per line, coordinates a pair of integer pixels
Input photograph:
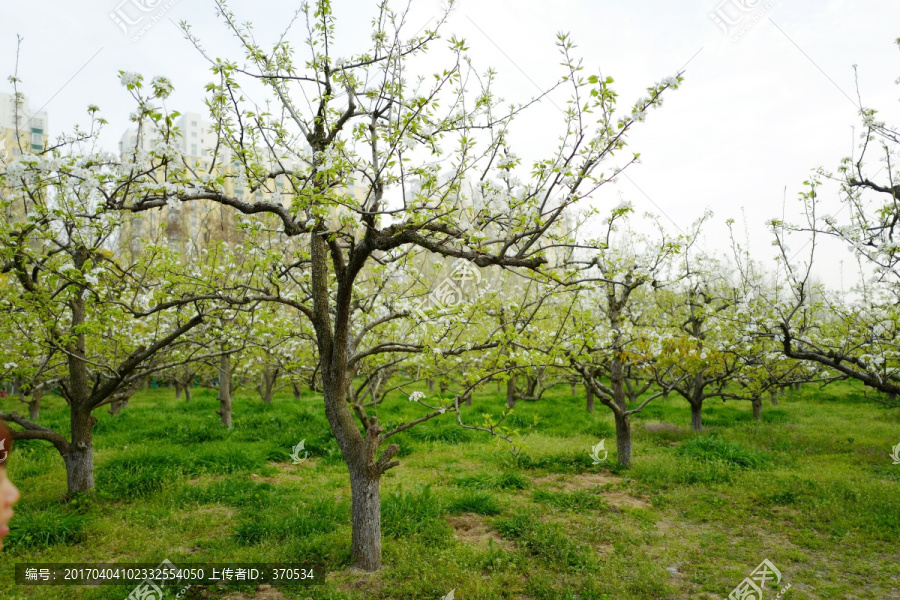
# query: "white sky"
{"type": "Point", "coordinates": [751, 120]}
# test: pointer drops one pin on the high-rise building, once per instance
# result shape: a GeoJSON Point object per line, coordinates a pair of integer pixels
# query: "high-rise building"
{"type": "Point", "coordinates": [22, 130]}
{"type": "Point", "coordinates": [184, 227]}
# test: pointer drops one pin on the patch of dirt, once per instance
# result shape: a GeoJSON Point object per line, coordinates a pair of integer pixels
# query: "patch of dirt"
{"type": "Point", "coordinates": [570, 483]}
{"type": "Point", "coordinates": [621, 499]}
{"type": "Point", "coordinates": [471, 529]}
{"type": "Point", "coordinates": [605, 550]}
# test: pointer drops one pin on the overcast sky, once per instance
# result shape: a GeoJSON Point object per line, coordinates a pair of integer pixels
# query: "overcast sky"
{"type": "Point", "coordinates": [751, 120]}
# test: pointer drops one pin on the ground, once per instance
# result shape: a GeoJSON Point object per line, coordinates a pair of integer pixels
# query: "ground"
{"type": "Point", "coordinates": [811, 488]}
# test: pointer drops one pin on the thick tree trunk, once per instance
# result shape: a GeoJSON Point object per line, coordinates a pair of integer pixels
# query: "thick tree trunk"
{"type": "Point", "coordinates": [178, 388]}
{"type": "Point", "coordinates": [757, 408]}
{"type": "Point", "coordinates": [444, 386]}
{"type": "Point", "coordinates": [115, 408]}
{"type": "Point", "coordinates": [366, 532]}
{"type": "Point", "coordinates": [573, 388]}
{"type": "Point", "coordinates": [187, 392]}
{"type": "Point", "coordinates": [511, 392]}
{"type": "Point", "coordinates": [225, 390]}
{"type": "Point", "coordinates": [80, 456]}
{"type": "Point", "coordinates": [623, 439]}
{"type": "Point", "coordinates": [590, 398]}
{"type": "Point", "coordinates": [697, 416]}
{"type": "Point", "coordinates": [623, 420]}
{"type": "Point", "coordinates": [773, 396]}
{"type": "Point", "coordinates": [297, 390]}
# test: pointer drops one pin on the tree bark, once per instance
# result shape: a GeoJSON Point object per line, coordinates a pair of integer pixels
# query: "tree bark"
{"type": "Point", "coordinates": [34, 405]}
{"type": "Point", "coordinates": [697, 416]}
{"type": "Point", "coordinates": [573, 388]}
{"type": "Point", "coordinates": [267, 385]}
{"type": "Point", "coordinates": [366, 537]}
{"type": "Point", "coordinates": [430, 383]}
{"type": "Point", "coordinates": [115, 408]}
{"type": "Point", "coordinates": [178, 388]}
{"type": "Point", "coordinates": [444, 386]}
{"type": "Point", "coordinates": [187, 392]}
{"type": "Point", "coordinates": [297, 390]}
{"type": "Point", "coordinates": [623, 439]}
{"type": "Point", "coordinates": [224, 396]}
{"type": "Point", "coordinates": [80, 456]}
{"type": "Point", "coordinates": [757, 408]}
{"type": "Point", "coordinates": [511, 392]}
{"type": "Point", "coordinates": [773, 396]}
{"type": "Point", "coordinates": [590, 398]}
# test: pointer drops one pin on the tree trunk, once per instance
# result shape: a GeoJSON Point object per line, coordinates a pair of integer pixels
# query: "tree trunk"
{"type": "Point", "coordinates": [225, 390]}
{"type": "Point", "coordinates": [267, 385]}
{"type": "Point", "coordinates": [366, 534]}
{"type": "Point", "coordinates": [297, 390]}
{"type": "Point", "coordinates": [623, 439]}
{"type": "Point", "coordinates": [444, 386]}
{"type": "Point", "coordinates": [187, 392]}
{"type": "Point", "coordinates": [773, 396]}
{"type": "Point", "coordinates": [34, 405]}
{"type": "Point", "coordinates": [430, 383]}
{"type": "Point", "coordinates": [80, 456]}
{"type": "Point", "coordinates": [697, 416]}
{"type": "Point", "coordinates": [573, 388]}
{"type": "Point", "coordinates": [590, 398]}
{"type": "Point", "coordinates": [511, 392]}
{"type": "Point", "coordinates": [116, 407]}
{"type": "Point", "coordinates": [178, 388]}
{"type": "Point", "coordinates": [757, 408]}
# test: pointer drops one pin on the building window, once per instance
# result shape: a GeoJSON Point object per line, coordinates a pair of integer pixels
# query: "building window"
{"type": "Point", "coordinates": [193, 134]}
{"type": "Point", "coordinates": [37, 139]}
{"type": "Point", "coordinates": [193, 149]}
{"type": "Point", "coordinates": [193, 123]}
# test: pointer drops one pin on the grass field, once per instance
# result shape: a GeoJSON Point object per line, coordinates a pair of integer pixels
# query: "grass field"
{"type": "Point", "coordinates": [811, 488]}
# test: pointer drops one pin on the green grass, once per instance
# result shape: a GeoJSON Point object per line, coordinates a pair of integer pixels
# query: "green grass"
{"type": "Point", "coordinates": [810, 487]}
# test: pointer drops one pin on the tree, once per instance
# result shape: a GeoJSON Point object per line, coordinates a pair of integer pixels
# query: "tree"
{"type": "Point", "coordinates": [370, 125]}
{"type": "Point", "coordinates": [607, 335]}
{"type": "Point", "coordinates": [858, 338]}
{"type": "Point", "coordinates": [66, 287]}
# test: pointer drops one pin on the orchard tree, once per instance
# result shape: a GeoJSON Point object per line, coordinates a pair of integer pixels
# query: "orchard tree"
{"type": "Point", "coordinates": [65, 288]}
{"type": "Point", "coordinates": [860, 341]}
{"type": "Point", "coordinates": [607, 337]}
{"type": "Point", "coordinates": [367, 119]}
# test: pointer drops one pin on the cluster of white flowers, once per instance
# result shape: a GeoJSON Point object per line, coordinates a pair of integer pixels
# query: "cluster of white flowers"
{"type": "Point", "coordinates": [416, 396]}
{"type": "Point", "coordinates": [129, 78]}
